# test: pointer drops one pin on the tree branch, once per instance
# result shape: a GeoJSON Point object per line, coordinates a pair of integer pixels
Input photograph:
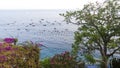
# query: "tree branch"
{"type": "Point", "coordinates": [99, 61]}
{"type": "Point", "coordinates": [99, 32]}
{"type": "Point", "coordinates": [101, 49]}
{"type": "Point", "coordinates": [114, 51]}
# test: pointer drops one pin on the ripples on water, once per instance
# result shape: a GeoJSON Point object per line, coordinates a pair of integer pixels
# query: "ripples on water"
{"type": "Point", "coordinates": [44, 26]}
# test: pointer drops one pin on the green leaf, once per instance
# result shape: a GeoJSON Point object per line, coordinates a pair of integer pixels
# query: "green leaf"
{"type": "Point", "coordinates": [89, 58]}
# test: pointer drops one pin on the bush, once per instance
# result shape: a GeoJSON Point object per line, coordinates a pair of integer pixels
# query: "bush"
{"type": "Point", "coordinates": [45, 63]}
{"type": "Point", "coordinates": [63, 60]}
{"type": "Point", "coordinates": [13, 56]}
{"type": "Point", "coordinates": [115, 63]}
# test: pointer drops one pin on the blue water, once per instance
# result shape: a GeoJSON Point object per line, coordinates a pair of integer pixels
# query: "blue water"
{"type": "Point", "coordinates": [44, 26]}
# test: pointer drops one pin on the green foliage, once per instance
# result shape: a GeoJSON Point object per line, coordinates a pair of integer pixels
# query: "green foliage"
{"type": "Point", "coordinates": [98, 29]}
{"type": "Point", "coordinates": [90, 58]}
{"type": "Point", "coordinates": [115, 63]}
{"type": "Point", "coordinates": [45, 63]}
{"type": "Point", "coordinates": [63, 60]}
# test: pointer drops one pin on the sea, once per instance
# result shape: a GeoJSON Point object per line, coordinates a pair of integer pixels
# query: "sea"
{"type": "Point", "coordinates": [40, 26]}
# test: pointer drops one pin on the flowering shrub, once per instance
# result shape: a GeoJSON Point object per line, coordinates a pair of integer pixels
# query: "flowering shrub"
{"type": "Point", "coordinates": [9, 40]}
{"type": "Point", "coordinates": [63, 60]}
{"type": "Point", "coordinates": [13, 56]}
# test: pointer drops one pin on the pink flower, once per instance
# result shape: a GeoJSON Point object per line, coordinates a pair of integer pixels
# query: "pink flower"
{"type": "Point", "coordinates": [8, 48]}
{"type": "Point", "coordinates": [1, 44]}
{"type": "Point", "coordinates": [9, 40]}
{"type": "Point", "coordinates": [3, 58]}
{"type": "Point", "coordinates": [62, 54]}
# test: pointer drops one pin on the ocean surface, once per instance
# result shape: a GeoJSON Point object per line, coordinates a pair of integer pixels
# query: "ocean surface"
{"type": "Point", "coordinates": [42, 26]}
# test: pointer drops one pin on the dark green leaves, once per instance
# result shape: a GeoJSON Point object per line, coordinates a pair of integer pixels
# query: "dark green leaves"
{"type": "Point", "coordinates": [99, 24]}
{"type": "Point", "coordinates": [90, 58]}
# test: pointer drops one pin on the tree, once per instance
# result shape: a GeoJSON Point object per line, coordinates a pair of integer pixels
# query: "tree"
{"type": "Point", "coordinates": [98, 29]}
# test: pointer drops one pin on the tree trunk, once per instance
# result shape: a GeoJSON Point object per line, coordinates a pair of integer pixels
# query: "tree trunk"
{"type": "Point", "coordinates": [104, 65]}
